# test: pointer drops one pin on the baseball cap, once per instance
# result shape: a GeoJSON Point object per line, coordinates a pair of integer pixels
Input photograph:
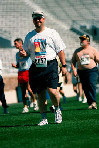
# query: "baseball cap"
{"type": "Point", "coordinates": [86, 37]}
{"type": "Point", "coordinates": [37, 13]}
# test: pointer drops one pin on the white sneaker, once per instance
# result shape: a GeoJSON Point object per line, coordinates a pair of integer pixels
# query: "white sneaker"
{"type": "Point", "coordinates": [93, 106]}
{"type": "Point", "coordinates": [25, 110]}
{"type": "Point", "coordinates": [35, 106]}
{"type": "Point", "coordinates": [43, 122]}
{"type": "Point", "coordinates": [31, 104]}
{"type": "Point", "coordinates": [52, 108]}
{"type": "Point", "coordinates": [58, 116]}
{"type": "Point", "coordinates": [84, 100]}
{"type": "Point", "coordinates": [80, 99]}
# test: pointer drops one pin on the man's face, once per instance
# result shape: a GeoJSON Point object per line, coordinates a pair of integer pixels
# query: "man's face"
{"type": "Point", "coordinates": [38, 21]}
{"type": "Point", "coordinates": [83, 42]}
{"type": "Point", "coordinates": [18, 45]}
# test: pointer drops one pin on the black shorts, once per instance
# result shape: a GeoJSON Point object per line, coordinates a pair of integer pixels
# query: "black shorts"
{"type": "Point", "coordinates": [42, 77]}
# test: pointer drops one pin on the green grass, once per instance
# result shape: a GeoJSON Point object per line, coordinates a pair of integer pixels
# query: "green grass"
{"type": "Point", "coordinates": [79, 129]}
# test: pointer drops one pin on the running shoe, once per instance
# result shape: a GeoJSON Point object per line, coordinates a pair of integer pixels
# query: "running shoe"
{"type": "Point", "coordinates": [58, 116]}
{"type": "Point", "coordinates": [36, 106]}
{"type": "Point", "coordinates": [31, 104]}
{"type": "Point", "coordinates": [80, 99]}
{"type": "Point", "coordinates": [84, 100]}
{"type": "Point", "coordinates": [43, 122]}
{"type": "Point", "coordinates": [25, 110]}
{"type": "Point", "coordinates": [93, 106]}
{"type": "Point", "coordinates": [52, 108]}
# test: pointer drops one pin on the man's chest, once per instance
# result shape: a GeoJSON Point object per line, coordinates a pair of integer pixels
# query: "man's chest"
{"type": "Point", "coordinates": [84, 56]}
{"type": "Point", "coordinates": [85, 53]}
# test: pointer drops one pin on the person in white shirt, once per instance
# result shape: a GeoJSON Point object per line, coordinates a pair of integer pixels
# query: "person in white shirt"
{"type": "Point", "coordinates": [2, 95]}
{"type": "Point", "coordinates": [43, 45]}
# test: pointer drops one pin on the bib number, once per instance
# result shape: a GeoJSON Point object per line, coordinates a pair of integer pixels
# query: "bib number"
{"type": "Point", "coordinates": [23, 65]}
{"type": "Point", "coordinates": [40, 61]}
{"type": "Point", "coordinates": [85, 60]}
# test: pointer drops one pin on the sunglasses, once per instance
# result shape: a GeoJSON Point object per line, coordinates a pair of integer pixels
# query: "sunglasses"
{"type": "Point", "coordinates": [37, 18]}
{"type": "Point", "coordinates": [82, 39]}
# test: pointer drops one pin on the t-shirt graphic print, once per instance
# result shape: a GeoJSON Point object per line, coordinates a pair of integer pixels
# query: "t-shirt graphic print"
{"type": "Point", "coordinates": [40, 52]}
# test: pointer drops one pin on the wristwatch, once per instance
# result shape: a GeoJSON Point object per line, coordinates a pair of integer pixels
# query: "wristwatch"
{"type": "Point", "coordinates": [64, 65]}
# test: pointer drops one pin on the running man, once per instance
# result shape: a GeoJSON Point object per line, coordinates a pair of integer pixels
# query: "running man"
{"type": "Point", "coordinates": [43, 45]}
{"type": "Point", "coordinates": [86, 58]}
{"type": "Point", "coordinates": [23, 65]}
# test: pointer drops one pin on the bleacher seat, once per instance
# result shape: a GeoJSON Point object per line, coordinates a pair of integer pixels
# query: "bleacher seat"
{"type": "Point", "coordinates": [16, 21]}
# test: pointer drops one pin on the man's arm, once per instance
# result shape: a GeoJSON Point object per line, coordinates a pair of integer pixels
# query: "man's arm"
{"type": "Point", "coordinates": [73, 65]}
{"type": "Point", "coordinates": [62, 59]}
{"type": "Point", "coordinates": [23, 53]}
{"type": "Point", "coordinates": [96, 56]}
{"type": "Point", "coordinates": [15, 66]}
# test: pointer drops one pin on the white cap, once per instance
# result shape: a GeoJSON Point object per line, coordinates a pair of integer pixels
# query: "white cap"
{"type": "Point", "coordinates": [37, 13]}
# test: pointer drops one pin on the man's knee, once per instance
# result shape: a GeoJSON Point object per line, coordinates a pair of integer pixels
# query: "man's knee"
{"type": "Point", "coordinates": [52, 91]}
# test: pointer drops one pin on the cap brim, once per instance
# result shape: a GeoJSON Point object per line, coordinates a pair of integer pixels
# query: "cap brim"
{"type": "Point", "coordinates": [81, 37]}
{"type": "Point", "coordinates": [37, 15]}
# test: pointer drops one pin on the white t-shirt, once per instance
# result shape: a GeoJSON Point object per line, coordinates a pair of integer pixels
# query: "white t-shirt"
{"type": "Point", "coordinates": [47, 41]}
{"type": "Point", "coordinates": [0, 67]}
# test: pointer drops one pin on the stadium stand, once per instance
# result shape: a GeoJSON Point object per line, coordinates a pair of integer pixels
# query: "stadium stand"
{"type": "Point", "coordinates": [16, 21]}
{"type": "Point", "coordinates": [69, 17]}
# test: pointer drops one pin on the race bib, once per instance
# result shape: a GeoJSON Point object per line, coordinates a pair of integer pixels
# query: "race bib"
{"type": "Point", "coordinates": [85, 60]}
{"type": "Point", "coordinates": [40, 60]}
{"type": "Point", "coordinates": [23, 65]}
{"type": "Point", "coordinates": [40, 52]}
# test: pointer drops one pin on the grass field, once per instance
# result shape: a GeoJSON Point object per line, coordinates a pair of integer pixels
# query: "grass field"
{"type": "Point", "coordinates": [79, 129]}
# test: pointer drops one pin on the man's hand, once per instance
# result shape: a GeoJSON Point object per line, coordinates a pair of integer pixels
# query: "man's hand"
{"type": "Point", "coordinates": [13, 65]}
{"type": "Point", "coordinates": [75, 73]}
{"type": "Point", "coordinates": [22, 53]}
{"type": "Point", "coordinates": [64, 71]}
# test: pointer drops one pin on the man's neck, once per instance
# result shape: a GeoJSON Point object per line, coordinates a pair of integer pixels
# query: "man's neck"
{"type": "Point", "coordinates": [85, 47]}
{"type": "Point", "coordinates": [38, 30]}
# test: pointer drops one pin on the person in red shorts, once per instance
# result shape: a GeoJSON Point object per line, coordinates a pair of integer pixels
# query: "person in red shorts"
{"type": "Point", "coordinates": [23, 65]}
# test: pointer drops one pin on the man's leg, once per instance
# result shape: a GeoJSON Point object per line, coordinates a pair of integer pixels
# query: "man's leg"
{"type": "Point", "coordinates": [54, 95]}
{"type": "Point", "coordinates": [30, 92]}
{"type": "Point", "coordinates": [2, 96]}
{"type": "Point", "coordinates": [43, 107]}
{"type": "Point", "coordinates": [33, 99]}
{"type": "Point", "coordinates": [90, 79]}
{"type": "Point", "coordinates": [42, 101]}
{"type": "Point", "coordinates": [80, 91]}
{"type": "Point", "coordinates": [24, 99]}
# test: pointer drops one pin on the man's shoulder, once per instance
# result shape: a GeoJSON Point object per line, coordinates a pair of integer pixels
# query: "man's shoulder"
{"type": "Point", "coordinates": [51, 30]}
{"type": "Point", "coordinates": [31, 33]}
{"type": "Point", "coordinates": [78, 49]}
{"type": "Point", "coordinates": [91, 48]}
{"type": "Point", "coordinates": [17, 53]}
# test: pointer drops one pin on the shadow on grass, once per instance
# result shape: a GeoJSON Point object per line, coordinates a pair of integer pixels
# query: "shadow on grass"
{"type": "Point", "coordinates": [74, 109]}
{"type": "Point", "coordinates": [27, 125]}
